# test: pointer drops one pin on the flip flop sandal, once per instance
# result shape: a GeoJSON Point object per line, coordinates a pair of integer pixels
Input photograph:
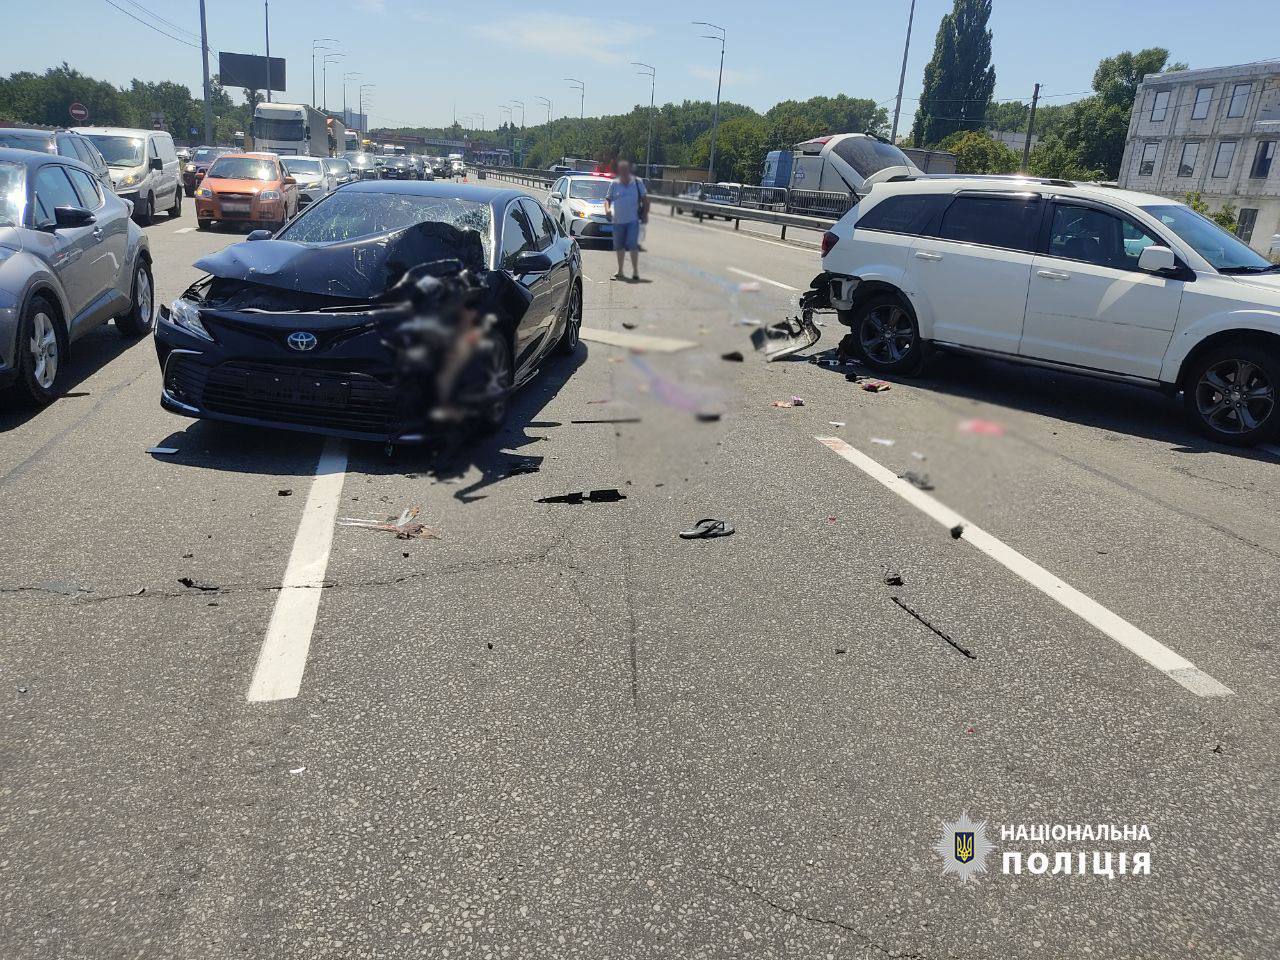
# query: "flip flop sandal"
{"type": "Point", "coordinates": [707, 530]}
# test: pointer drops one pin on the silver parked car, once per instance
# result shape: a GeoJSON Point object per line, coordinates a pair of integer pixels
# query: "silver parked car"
{"type": "Point", "coordinates": [70, 258]}
{"type": "Point", "coordinates": [316, 179]}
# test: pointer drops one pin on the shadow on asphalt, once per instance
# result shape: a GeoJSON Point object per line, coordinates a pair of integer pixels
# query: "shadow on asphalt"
{"type": "Point", "coordinates": [1102, 404]}
{"type": "Point", "coordinates": [213, 445]}
{"type": "Point", "coordinates": [89, 354]}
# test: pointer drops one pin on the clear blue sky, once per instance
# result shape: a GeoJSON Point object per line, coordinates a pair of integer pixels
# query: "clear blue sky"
{"type": "Point", "coordinates": [427, 56]}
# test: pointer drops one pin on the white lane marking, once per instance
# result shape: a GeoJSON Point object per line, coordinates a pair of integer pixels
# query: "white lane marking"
{"type": "Point", "coordinates": [184, 230]}
{"type": "Point", "coordinates": [638, 341]}
{"type": "Point", "coordinates": [283, 658]}
{"type": "Point", "coordinates": [756, 276]}
{"type": "Point", "coordinates": [1172, 664]}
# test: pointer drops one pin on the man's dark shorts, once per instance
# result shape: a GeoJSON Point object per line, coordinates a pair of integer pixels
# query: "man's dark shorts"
{"type": "Point", "coordinates": [626, 236]}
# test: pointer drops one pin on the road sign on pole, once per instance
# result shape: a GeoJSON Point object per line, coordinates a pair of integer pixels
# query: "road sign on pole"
{"type": "Point", "coordinates": [79, 112]}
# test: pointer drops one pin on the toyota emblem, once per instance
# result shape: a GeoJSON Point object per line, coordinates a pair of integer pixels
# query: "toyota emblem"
{"type": "Point", "coordinates": [302, 340]}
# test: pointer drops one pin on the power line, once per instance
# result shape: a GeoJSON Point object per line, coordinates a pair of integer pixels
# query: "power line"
{"type": "Point", "coordinates": [155, 16]}
{"type": "Point", "coordinates": [145, 23]}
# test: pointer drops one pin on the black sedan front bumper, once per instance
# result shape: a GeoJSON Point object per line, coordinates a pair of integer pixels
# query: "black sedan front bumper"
{"type": "Point", "coordinates": [348, 389]}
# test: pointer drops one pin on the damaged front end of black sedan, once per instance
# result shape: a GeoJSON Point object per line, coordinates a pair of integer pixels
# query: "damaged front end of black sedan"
{"type": "Point", "coordinates": [397, 338]}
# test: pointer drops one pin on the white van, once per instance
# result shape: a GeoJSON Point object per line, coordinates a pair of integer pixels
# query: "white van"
{"type": "Point", "coordinates": [144, 168]}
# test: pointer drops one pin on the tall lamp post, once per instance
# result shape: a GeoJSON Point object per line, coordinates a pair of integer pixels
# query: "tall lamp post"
{"type": "Point", "coordinates": [902, 77]}
{"type": "Point", "coordinates": [715, 117]}
{"type": "Point", "coordinates": [345, 77]}
{"type": "Point", "coordinates": [546, 103]}
{"type": "Point", "coordinates": [520, 104]}
{"type": "Point", "coordinates": [652, 73]}
{"type": "Point", "coordinates": [364, 120]}
{"type": "Point", "coordinates": [317, 45]}
{"type": "Point", "coordinates": [582, 106]}
{"type": "Point", "coordinates": [511, 120]}
{"type": "Point", "coordinates": [327, 59]}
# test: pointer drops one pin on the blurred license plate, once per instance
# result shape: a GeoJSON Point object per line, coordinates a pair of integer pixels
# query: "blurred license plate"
{"type": "Point", "coordinates": [299, 390]}
{"type": "Point", "coordinates": [235, 207]}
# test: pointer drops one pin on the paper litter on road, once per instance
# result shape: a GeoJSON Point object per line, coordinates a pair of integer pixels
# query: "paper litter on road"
{"type": "Point", "coordinates": [987, 428]}
{"type": "Point", "coordinates": [793, 402]}
{"type": "Point", "coordinates": [883, 441]}
{"type": "Point", "coordinates": [405, 527]}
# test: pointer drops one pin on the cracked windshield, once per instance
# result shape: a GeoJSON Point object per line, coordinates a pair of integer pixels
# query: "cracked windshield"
{"type": "Point", "coordinates": [665, 481]}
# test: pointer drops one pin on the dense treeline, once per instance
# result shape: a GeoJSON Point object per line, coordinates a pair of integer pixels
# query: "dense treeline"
{"type": "Point", "coordinates": [44, 98]}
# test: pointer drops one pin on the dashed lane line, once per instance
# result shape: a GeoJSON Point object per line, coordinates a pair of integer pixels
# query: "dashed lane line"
{"type": "Point", "coordinates": [757, 277]}
{"type": "Point", "coordinates": [637, 341]}
{"type": "Point", "coordinates": [184, 230]}
{"type": "Point", "coordinates": [1173, 665]}
{"type": "Point", "coordinates": [283, 657]}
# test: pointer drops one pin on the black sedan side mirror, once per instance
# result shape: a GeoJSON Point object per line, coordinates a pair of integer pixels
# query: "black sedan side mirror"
{"type": "Point", "coordinates": [72, 217]}
{"type": "Point", "coordinates": [156, 163]}
{"type": "Point", "coordinates": [531, 261]}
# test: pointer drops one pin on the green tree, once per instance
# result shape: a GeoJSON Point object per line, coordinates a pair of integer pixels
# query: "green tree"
{"type": "Point", "coordinates": [1095, 132]}
{"type": "Point", "coordinates": [740, 149]}
{"type": "Point", "coordinates": [1052, 159]}
{"type": "Point", "coordinates": [1225, 217]}
{"type": "Point", "coordinates": [959, 80]}
{"type": "Point", "coordinates": [977, 152]}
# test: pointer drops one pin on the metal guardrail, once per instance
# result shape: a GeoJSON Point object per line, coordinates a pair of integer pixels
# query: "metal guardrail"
{"type": "Point", "coordinates": [804, 209]}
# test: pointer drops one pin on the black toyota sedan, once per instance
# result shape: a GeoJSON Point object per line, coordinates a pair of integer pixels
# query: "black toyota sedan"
{"type": "Point", "coordinates": [387, 311]}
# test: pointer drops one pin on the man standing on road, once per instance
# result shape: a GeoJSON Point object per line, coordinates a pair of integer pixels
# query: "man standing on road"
{"type": "Point", "coordinates": [627, 205]}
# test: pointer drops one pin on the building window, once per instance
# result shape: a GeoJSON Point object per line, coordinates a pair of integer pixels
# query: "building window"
{"type": "Point", "coordinates": [1245, 224]}
{"type": "Point", "coordinates": [1204, 96]}
{"type": "Point", "coordinates": [1147, 166]}
{"type": "Point", "coordinates": [1262, 160]}
{"type": "Point", "coordinates": [1222, 162]}
{"type": "Point", "coordinates": [1190, 153]}
{"type": "Point", "coordinates": [1239, 99]}
{"type": "Point", "coordinates": [1160, 106]}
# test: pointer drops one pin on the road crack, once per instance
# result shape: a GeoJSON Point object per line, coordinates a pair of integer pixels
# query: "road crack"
{"type": "Point", "coordinates": [810, 917]}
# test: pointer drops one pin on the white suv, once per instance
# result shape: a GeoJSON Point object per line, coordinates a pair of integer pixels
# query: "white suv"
{"type": "Point", "coordinates": [1074, 276]}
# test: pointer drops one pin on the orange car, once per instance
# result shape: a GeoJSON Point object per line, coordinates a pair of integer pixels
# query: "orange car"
{"type": "Point", "coordinates": [246, 188]}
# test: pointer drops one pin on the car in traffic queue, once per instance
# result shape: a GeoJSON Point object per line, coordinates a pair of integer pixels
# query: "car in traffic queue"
{"type": "Point", "coordinates": [398, 168]}
{"type": "Point", "coordinates": [65, 143]}
{"type": "Point", "coordinates": [197, 166]}
{"type": "Point", "coordinates": [298, 331]}
{"type": "Point", "coordinates": [71, 258]}
{"type": "Point", "coordinates": [314, 176]}
{"type": "Point", "coordinates": [577, 202]}
{"type": "Point", "coordinates": [144, 168]}
{"type": "Point", "coordinates": [457, 168]}
{"type": "Point", "coordinates": [340, 167]}
{"type": "Point", "coordinates": [246, 188]}
{"type": "Point", "coordinates": [364, 165]}
{"type": "Point", "coordinates": [1071, 276]}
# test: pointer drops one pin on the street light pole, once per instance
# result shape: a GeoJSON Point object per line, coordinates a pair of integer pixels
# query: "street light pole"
{"type": "Point", "coordinates": [715, 117]}
{"type": "Point", "coordinates": [345, 77]}
{"type": "Point", "coordinates": [266, 21]}
{"type": "Point", "coordinates": [324, 77]}
{"type": "Point", "coordinates": [547, 103]}
{"type": "Point", "coordinates": [582, 106]}
{"type": "Point", "coordinates": [652, 73]}
{"type": "Point", "coordinates": [902, 77]}
{"type": "Point", "coordinates": [316, 45]}
{"type": "Point", "coordinates": [204, 57]}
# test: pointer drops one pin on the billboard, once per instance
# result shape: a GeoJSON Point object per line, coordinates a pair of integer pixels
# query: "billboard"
{"type": "Point", "coordinates": [250, 71]}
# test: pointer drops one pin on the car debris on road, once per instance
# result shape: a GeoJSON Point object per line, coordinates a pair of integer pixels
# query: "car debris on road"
{"type": "Point", "coordinates": [405, 527]}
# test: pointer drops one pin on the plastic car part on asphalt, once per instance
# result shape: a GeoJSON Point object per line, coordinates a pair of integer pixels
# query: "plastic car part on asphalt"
{"type": "Point", "coordinates": [405, 527]}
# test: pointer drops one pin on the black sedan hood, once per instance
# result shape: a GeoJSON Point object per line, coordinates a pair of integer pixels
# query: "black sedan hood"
{"type": "Point", "coordinates": [360, 269]}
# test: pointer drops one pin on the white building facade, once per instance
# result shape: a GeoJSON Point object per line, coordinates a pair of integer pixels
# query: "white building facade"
{"type": "Point", "coordinates": [1215, 132]}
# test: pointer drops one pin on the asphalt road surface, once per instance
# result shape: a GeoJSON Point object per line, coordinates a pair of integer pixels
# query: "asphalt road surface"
{"type": "Point", "coordinates": [561, 731]}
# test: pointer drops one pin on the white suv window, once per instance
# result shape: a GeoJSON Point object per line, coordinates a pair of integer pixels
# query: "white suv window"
{"type": "Point", "coordinates": [906, 213]}
{"type": "Point", "coordinates": [1009, 222]}
{"type": "Point", "coordinates": [1090, 235]}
